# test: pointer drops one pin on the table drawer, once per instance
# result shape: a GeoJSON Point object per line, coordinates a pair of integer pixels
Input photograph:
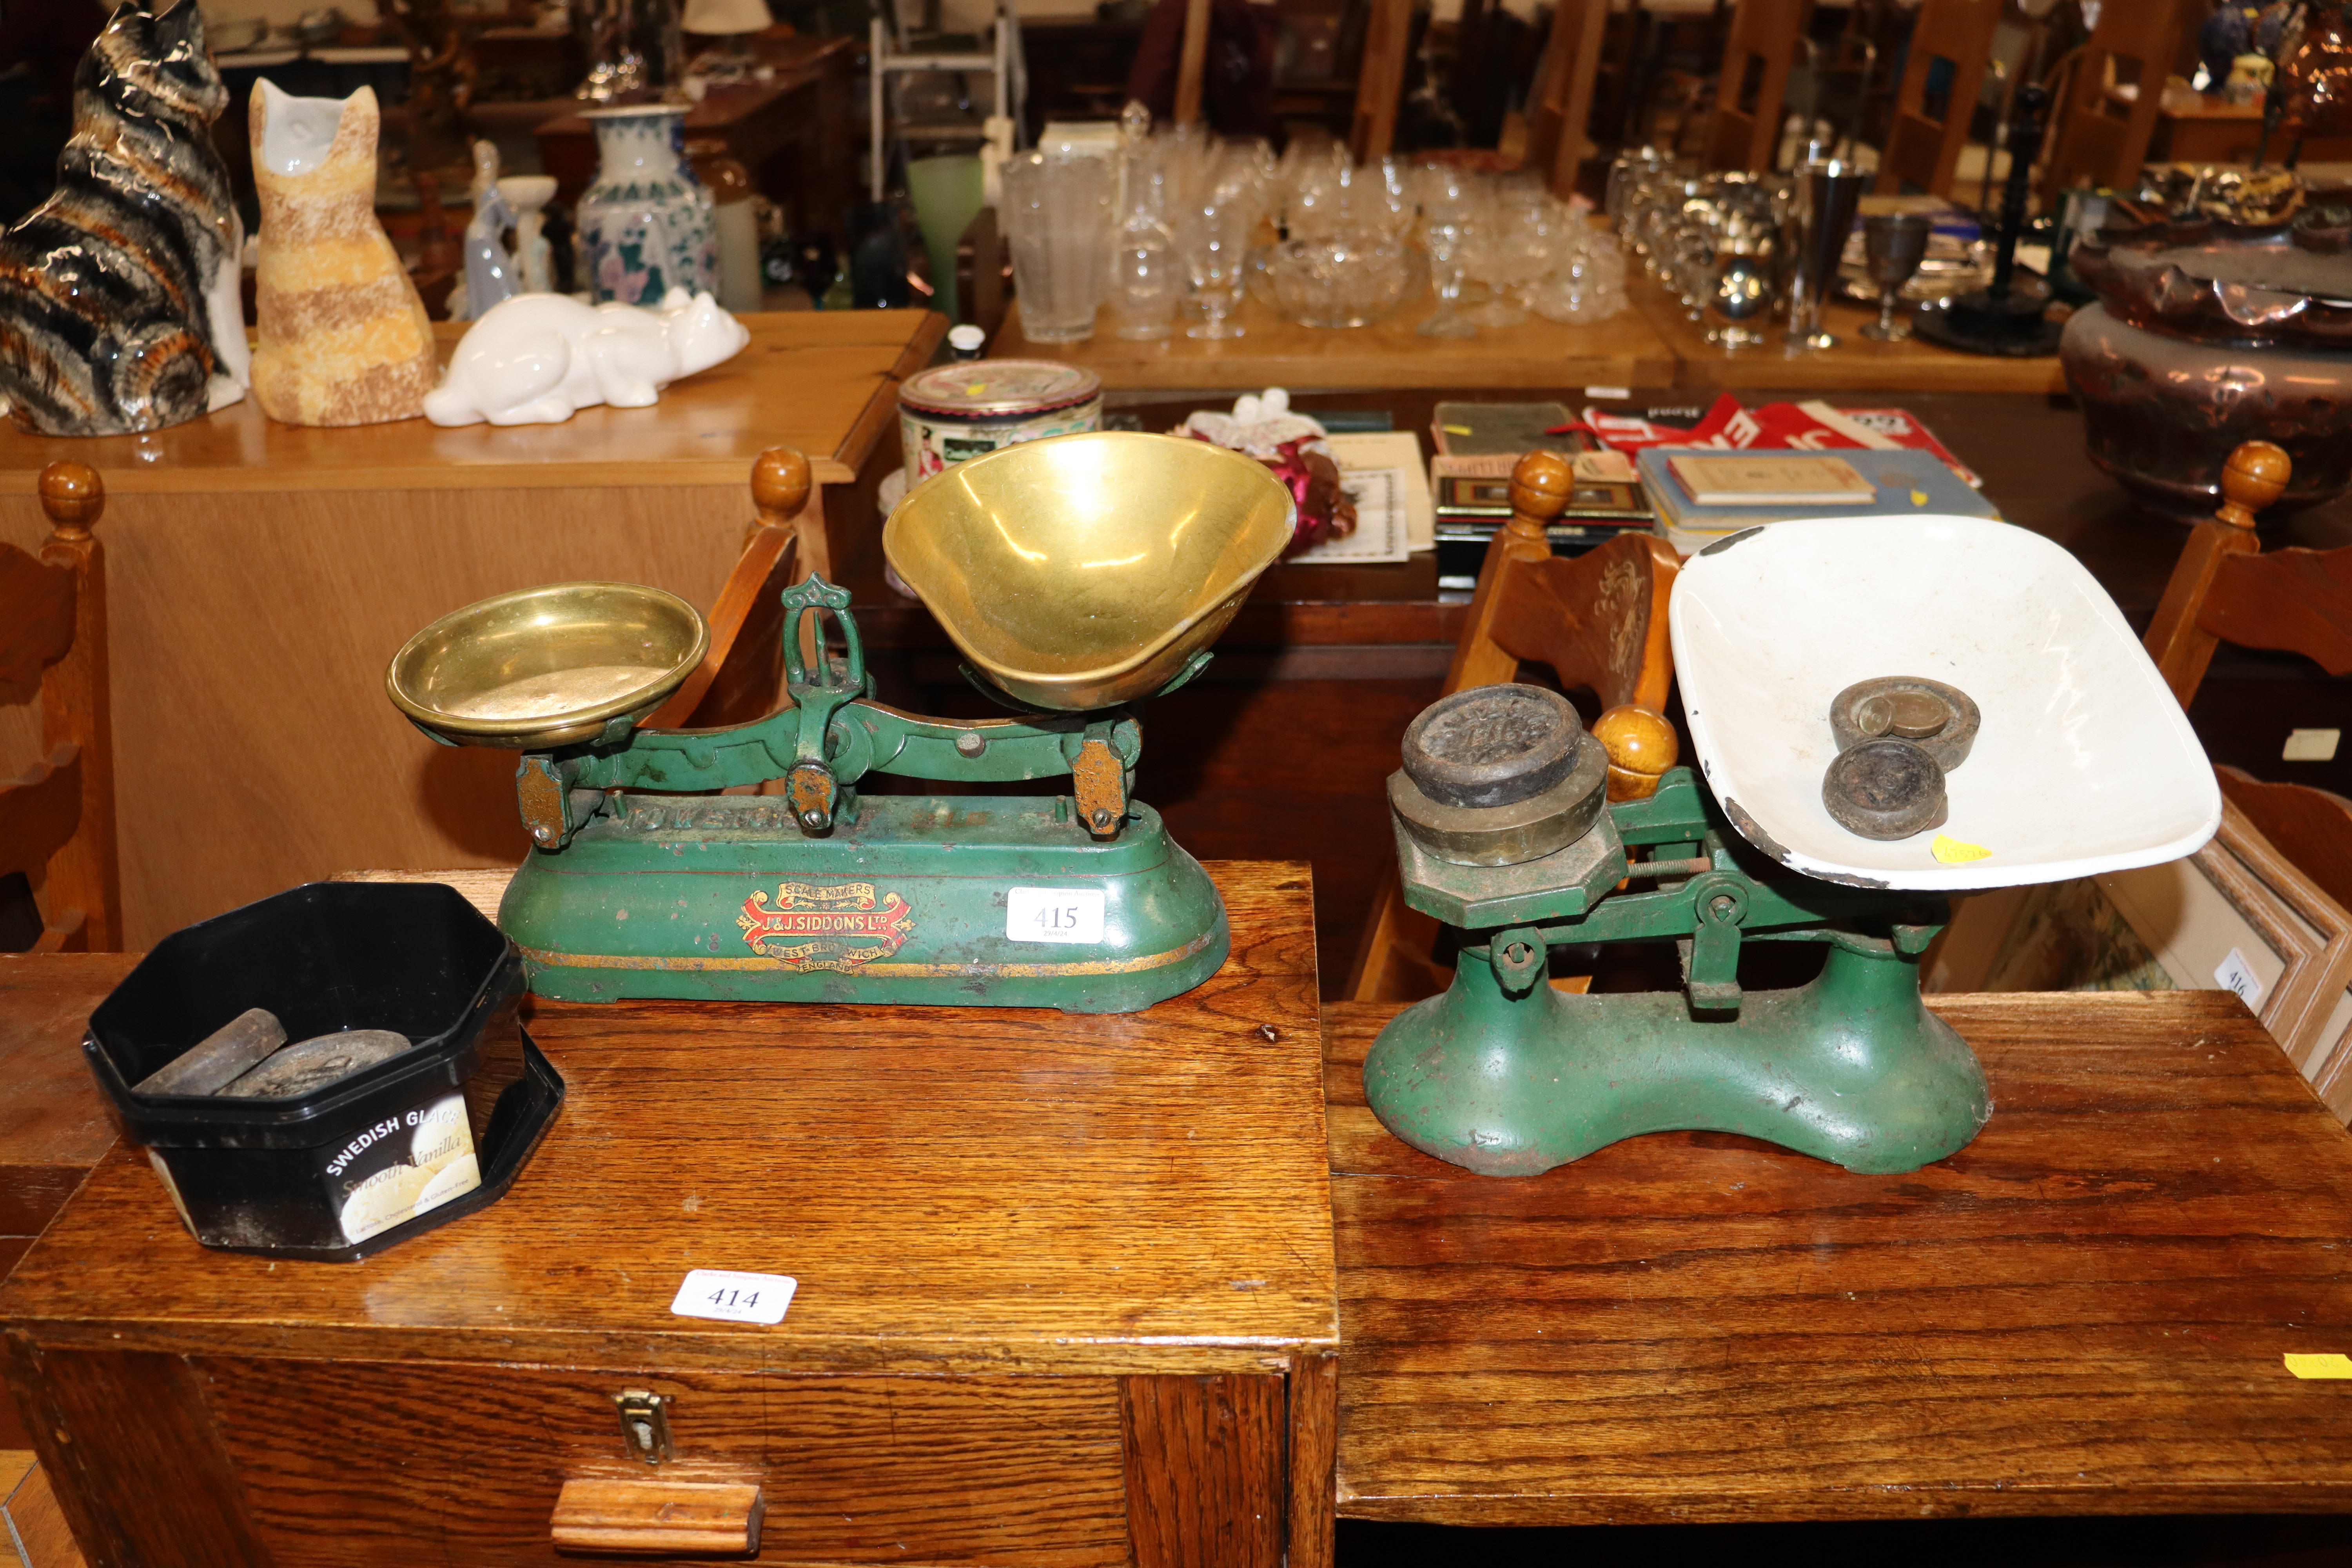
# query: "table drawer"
{"type": "Point", "coordinates": [346, 1464]}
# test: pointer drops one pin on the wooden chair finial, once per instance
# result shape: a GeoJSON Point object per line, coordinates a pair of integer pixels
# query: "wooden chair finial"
{"type": "Point", "coordinates": [1541, 484]}
{"type": "Point", "coordinates": [781, 483]}
{"type": "Point", "coordinates": [2255, 476]}
{"type": "Point", "coordinates": [73, 496]}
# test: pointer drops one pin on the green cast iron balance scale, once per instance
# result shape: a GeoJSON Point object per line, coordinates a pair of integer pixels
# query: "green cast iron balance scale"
{"type": "Point", "coordinates": [1077, 576]}
{"type": "Point", "coordinates": [1885, 710]}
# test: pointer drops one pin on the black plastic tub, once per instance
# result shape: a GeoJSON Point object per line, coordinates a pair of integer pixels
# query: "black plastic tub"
{"type": "Point", "coordinates": [365, 1162]}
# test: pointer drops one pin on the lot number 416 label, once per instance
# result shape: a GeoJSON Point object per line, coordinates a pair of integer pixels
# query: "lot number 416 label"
{"type": "Point", "coordinates": [1054, 914]}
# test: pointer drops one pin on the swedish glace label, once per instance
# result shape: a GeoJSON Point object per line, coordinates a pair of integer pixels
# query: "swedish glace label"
{"type": "Point", "coordinates": [403, 1166]}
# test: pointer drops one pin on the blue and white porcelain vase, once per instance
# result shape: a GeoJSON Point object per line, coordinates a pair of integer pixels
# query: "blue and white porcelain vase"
{"type": "Point", "coordinates": [646, 226]}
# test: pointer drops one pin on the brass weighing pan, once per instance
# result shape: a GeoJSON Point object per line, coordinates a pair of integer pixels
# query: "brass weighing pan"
{"type": "Point", "coordinates": [547, 666]}
{"type": "Point", "coordinates": [1086, 570]}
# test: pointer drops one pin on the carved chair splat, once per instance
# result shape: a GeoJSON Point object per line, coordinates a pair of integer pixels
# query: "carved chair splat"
{"type": "Point", "coordinates": [742, 675]}
{"type": "Point", "coordinates": [1597, 620]}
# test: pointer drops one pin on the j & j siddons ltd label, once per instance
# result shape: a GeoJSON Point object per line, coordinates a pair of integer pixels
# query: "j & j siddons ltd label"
{"type": "Point", "coordinates": [402, 1166]}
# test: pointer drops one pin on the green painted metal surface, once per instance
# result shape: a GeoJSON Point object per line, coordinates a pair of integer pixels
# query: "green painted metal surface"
{"type": "Point", "coordinates": [719, 898]}
{"type": "Point", "coordinates": [1506, 1076]}
{"type": "Point", "coordinates": [640, 888]}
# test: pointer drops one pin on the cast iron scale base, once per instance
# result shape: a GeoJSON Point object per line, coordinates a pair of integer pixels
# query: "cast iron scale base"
{"type": "Point", "coordinates": [1506, 1075]}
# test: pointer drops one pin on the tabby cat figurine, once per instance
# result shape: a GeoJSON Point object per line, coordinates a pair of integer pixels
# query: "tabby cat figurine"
{"type": "Point", "coordinates": [120, 292]}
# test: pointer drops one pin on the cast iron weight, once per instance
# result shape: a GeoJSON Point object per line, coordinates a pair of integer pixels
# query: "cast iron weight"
{"type": "Point", "coordinates": [1885, 788]}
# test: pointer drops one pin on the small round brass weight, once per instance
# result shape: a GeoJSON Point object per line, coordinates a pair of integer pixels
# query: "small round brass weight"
{"type": "Point", "coordinates": [1907, 715]}
{"type": "Point", "coordinates": [1897, 736]}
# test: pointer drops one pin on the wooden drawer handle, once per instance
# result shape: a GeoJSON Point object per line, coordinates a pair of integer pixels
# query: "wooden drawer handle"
{"type": "Point", "coordinates": [657, 1519]}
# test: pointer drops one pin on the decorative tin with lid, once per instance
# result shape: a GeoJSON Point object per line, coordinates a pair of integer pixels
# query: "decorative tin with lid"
{"type": "Point", "coordinates": [961, 410]}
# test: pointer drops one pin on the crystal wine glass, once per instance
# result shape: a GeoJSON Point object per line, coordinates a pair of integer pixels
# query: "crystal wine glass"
{"type": "Point", "coordinates": [1443, 239]}
{"type": "Point", "coordinates": [1215, 243]}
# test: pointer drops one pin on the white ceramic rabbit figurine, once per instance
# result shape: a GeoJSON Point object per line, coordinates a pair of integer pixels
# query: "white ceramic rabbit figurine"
{"type": "Point", "coordinates": [537, 359]}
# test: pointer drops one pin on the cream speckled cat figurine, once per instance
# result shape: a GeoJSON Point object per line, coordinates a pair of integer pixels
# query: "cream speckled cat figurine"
{"type": "Point", "coordinates": [343, 339]}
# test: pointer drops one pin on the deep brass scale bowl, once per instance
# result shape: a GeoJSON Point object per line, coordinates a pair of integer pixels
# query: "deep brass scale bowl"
{"type": "Point", "coordinates": [1087, 571]}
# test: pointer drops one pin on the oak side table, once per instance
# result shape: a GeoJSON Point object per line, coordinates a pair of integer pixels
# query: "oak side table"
{"type": "Point", "coordinates": [2088, 1310]}
{"type": "Point", "coordinates": [1064, 1298]}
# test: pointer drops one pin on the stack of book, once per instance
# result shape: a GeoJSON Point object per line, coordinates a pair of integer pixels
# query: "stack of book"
{"type": "Point", "coordinates": [1704, 493]}
{"type": "Point", "coordinates": [1478, 444]}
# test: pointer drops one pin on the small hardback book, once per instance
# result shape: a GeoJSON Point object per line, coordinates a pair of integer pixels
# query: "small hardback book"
{"type": "Point", "coordinates": [1904, 483]}
{"type": "Point", "coordinates": [1770, 479]}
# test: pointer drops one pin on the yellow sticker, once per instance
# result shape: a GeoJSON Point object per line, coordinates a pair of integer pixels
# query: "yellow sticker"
{"type": "Point", "coordinates": [2320, 1365]}
{"type": "Point", "coordinates": [1456, 429]}
{"type": "Point", "coordinates": [1918, 497]}
{"type": "Point", "coordinates": [975, 388]}
{"type": "Point", "coordinates": [1952, 852]}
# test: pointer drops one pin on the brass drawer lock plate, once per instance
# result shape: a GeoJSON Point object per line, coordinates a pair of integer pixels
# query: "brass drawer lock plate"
{"type": "Point", "coordinates": [645, 1425]}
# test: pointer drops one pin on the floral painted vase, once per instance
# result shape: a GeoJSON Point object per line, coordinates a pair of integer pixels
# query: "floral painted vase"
{"type": "Point", "coordinates": [646, 226]}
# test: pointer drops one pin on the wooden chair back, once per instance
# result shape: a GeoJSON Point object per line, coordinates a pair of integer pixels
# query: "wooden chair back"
{"type": "Point", "coordinates": [2224, 588]}
{"type": "Point", "coordinates": [1597, 620]}
{"type": "Point", "coordinates": [741, 676]}
{"type": "Point", "coordinates": [1380, 81]}
{"type": "Point", "coordinates": [1562, 106]}
{"type": "Point", "coordinates": [2099, 138]}
{"type": "Point", "coordinates": [56, 823]}
{"type": "Point", "coordinates": [2059, 84]}
{"type": "Point", "coordinates": [1923, 146]}
{"type": "Point", "coordinates": [1743, 130]}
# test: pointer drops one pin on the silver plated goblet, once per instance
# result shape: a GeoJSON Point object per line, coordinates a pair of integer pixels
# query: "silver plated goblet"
{"type": "Point", "coordinates": [1893, 246]}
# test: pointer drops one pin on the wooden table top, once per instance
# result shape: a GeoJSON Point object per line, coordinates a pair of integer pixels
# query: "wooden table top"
{"type": "Point", "coordinates": [1855, 365]}
{"type": "Point", "coordinates": [824, 381]}
{"type": "Point", "coordinates": [1626, 352]}
{"type": "Point", "coordinates": [797, 61]}
{"type": "Point", "coordinates": [1653, 345]}
{"type": "Point", "coordinates": [53, 1123]}
{"type": "Point", "coordinates": [2082, 1312]}
{"type": "Point", "coordinates": [956, 1190]}
{"type": "Point", "coordinates": [2029, 448]}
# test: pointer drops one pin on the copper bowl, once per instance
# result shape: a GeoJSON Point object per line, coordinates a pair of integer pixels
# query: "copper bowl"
{"type": "Point", "coordinates": [2205, 336]}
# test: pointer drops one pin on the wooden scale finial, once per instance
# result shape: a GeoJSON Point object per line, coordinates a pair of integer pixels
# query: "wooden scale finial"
{"type": "Point", "coordinates": [781, 483]}
{"type": "Point", "coordinates": [73, 496]}
{"type": "Point", "coordinates": [1641, 745]}
{"type": "Point", "coordinates": [2255, 476]}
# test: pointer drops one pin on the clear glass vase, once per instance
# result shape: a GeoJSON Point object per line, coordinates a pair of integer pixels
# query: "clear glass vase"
{"type": "Point", "coordinates": [1148, 276]}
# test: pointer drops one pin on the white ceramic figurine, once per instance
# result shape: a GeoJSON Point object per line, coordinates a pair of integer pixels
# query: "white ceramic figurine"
{"type": "Point", "coordinates": [537, 359]}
